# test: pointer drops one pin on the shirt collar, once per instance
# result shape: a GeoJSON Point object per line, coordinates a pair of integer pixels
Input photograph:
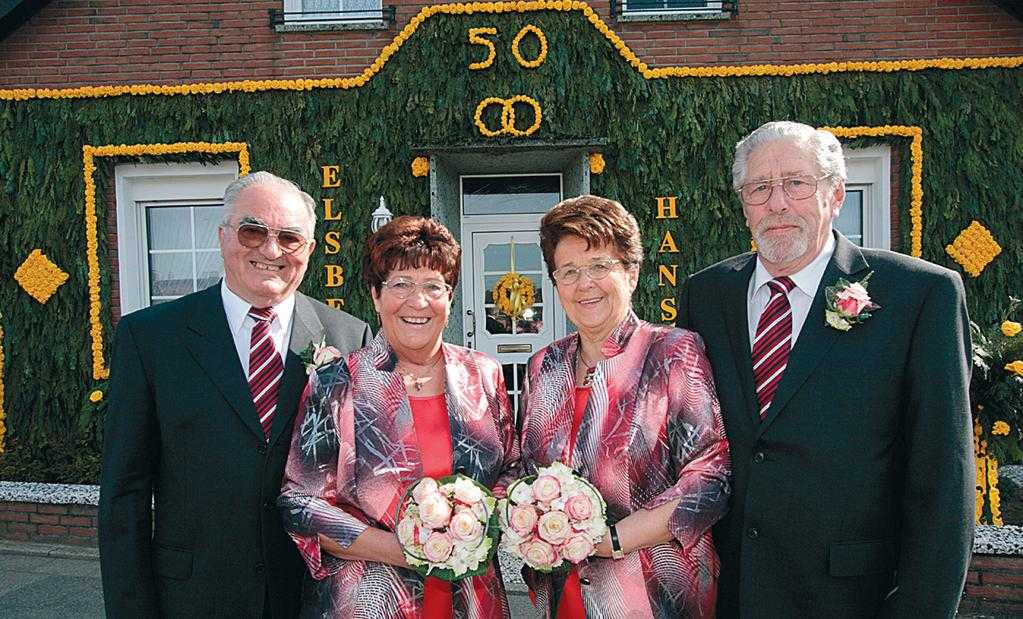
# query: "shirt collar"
{"type": "Point", "coordinates": [237, 309]}
{"type": "Point", "coordinates": [807, 279]}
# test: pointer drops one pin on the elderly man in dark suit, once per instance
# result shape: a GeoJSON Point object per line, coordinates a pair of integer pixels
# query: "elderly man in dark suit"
{"type": "Point", "coordinates": [845, 402]}
{"type": "Point", "coordinates": [202, 399]}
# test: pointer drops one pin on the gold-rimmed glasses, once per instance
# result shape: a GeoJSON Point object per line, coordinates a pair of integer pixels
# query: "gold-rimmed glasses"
{"type": "Point", "coordinates": [798, 187]}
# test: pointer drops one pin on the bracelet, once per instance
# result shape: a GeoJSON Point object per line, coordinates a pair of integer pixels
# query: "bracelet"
{"type": "Point", "coordinates": [616, 546]}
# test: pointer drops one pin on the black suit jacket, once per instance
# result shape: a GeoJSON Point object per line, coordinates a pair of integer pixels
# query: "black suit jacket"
{"type": "Point", "coordinates": [182, 436]}
{"type": "Point", "coordinates": [854, 497]}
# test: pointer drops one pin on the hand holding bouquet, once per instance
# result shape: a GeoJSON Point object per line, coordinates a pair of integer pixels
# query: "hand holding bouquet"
{"type": "Point", "coordinates": [552, 517]}
{"type": "Point", "coordinates": [447, 528]}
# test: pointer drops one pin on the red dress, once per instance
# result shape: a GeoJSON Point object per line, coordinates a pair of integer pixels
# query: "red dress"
{"type": "Point", "coordinates": [433, 433]}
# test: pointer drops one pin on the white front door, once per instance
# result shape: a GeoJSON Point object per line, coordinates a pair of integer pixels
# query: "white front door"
{"type": "Point", "coordinates": [512, 341]}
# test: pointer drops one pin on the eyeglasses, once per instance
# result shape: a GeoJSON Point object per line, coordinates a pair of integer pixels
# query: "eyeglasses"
{"type": "Point", "coordinates": [253, 235]}
{"type": "Point", "coordinates": [795, 187]}
{"type": "Point", "coordinates": [403, 288]}
{"type": "Point", "coordinates": [595, 271]}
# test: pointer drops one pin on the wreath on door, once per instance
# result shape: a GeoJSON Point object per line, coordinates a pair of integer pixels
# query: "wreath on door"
{"type": "Point", "coordinates": [514, 293]}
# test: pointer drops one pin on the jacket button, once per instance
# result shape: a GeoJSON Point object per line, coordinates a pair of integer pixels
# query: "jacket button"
{"type": "Point", "coordinates": [752, 533]}
{"type": "Point", "coordinates": [758, 457]}
{"type": "Point", "coordinates": [261, 449]}
{"type": "Point", "coordinates": [584, 581]}
{"type": "Point", "coordinates": [259, 568]}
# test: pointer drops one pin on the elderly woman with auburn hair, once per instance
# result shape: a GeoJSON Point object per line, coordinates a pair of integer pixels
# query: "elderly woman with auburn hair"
{"type": "Point", "coordinates": [372, 424]}
{"type": "Point", "coordinates": [631, 407]}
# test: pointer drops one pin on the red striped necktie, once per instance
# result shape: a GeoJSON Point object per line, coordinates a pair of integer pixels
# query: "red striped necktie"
{"type": "Point", "coordinates": [265, 368]}
{"type": "Point", "coordinates": [772, 342]}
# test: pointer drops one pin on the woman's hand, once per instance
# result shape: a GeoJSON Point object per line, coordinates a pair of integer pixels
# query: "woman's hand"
{"type": "Point", "coordinates": [642, 528]}
{"type": "Point", "coordinates": [371, 545]}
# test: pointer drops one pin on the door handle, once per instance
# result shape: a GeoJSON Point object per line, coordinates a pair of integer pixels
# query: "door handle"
{"type": "Point", "coordinates": [472, 325]}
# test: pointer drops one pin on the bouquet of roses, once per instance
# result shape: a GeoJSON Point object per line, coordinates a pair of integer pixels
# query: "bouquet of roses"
{"type": "Point", "coordinates": [552, 517]}
{"type": "Point", "coordinates": [447, 528]}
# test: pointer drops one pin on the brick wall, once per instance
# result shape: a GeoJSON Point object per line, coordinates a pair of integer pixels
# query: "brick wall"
{"type": "Point", "coordinates": [994, 585]}
{"type": "Point", "coordinates": [38, 522]}
{"type": "Point", "coordinates": [85, 42]}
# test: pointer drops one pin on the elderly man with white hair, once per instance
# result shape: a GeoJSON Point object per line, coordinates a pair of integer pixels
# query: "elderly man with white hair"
{"type": "Point", "coordinates": [843, 376]}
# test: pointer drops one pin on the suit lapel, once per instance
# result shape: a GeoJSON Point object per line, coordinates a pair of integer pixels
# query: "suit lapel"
{"type": "Point", "coordinates": [815, 338]}
{"type": "Point", "coordinates": [306, 328]}
{"type": "Point", "coordinates": [209, 340]}
{"type": "Point", "coordinates": [735, 303]}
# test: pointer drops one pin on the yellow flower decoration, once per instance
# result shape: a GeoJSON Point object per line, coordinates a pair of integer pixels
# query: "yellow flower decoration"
{"type": "Point", "coordinates": [536, 62]}
{"type": "Point", "coordinates": [39, 277]}
{"type": "Point", "coordinates": [420, 167]}
{"type": "Point", "coordinates": [1016, 367]}
{"type": "Point", "coordinates": [3, 427]}
{"type": "Point", "coordinates": [596, 163]}
{"type": "Point", "coordinates": [1011, 329]}
{"type": "Point", "coordinates": [96, 396]}
{"type": "Point", "coordinates": [89, 153]}
{"type": "Point", "coordinates": [974, 248]}
{"type": "Point", "coordinates": [1000, 428]}
{"type": "Point", "coordinates": [514, 294]}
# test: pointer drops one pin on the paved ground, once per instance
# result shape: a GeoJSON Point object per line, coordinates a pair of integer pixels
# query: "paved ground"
{"type": "Point", "coordinates": [43, 581]}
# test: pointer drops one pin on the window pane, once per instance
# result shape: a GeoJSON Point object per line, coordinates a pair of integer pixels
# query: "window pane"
{"type": "Point", "coordinates": [209, 267]}
{"type": "Point", "coordinates": [497, 321]}
{"type": "Point", "coordinates": [497, 257]}
{"type": "Point", "coordinates": [169, 227]}
{"type": "Point", "coordinates": [207, 219]}
{"type": "Point", "coordinates": [492, 195]}
{"type": "Point", "coordinates": [531, 321]}
{"type": "Point", "coordinates": [320, 5]}
{"type": "Point", "coordinates": [850, 220]}
{"type": "Point", "coordinates": [170, 274]}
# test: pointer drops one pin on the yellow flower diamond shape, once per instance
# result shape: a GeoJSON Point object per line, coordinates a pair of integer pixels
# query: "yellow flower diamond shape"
{"type": "Point", "coordinates": [974, 248]}
{"type": "Point", "coordinates": [39, 276]}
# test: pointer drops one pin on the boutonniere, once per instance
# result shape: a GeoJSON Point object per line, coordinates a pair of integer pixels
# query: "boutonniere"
{"type": "Point", "coordinates": [318, 354]}
{"type": "Point", "coordinates": [848, 304]}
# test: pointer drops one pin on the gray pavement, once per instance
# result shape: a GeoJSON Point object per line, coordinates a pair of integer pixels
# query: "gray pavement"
{"type": "Point", "coordinates": [49, 581]}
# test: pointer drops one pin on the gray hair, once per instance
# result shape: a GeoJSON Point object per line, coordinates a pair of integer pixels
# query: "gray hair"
{"type": "Point", "coordinates": [824, 146]}
{"type": "Point", "coordinates": [266, 178]}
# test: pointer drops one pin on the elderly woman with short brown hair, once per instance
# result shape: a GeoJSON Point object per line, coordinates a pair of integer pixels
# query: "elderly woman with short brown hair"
{"type": "Point", "coordinates": [407, 406]}
{"type": "Point", "coordinates": [631, 407]}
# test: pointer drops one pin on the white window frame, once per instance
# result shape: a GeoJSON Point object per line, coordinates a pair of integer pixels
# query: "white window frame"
{"type": "Point", "coordinates": [137, 186]}
{"type": "Point", "coordinates": [349, 22]}
{"type": "Point", "coordinates": [712, 9]}
{"type": "Point", "coordinates": [869, 170]}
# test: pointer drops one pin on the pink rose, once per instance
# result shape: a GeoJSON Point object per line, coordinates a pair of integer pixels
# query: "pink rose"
{"type": "Point", "coordinates": [522, 519]}
{"type": "Point", "coordinates": [546, 488]}
{"type": "Point", "coordinates": [434, 511]}
{"type": "Point", "coordinates": [577, 548]}
{"type": "Point", "coordinates": [554, 526]}
{"type": "Point", "coordinates": [406, 532]}
{"type": "Point", "coordinates": [438, 547]}
{"type": "Point", "coordinates": [465, 526]}
{"type": "Point", "coordinates": [324, 355]}
{"type": "Point", "coordinates": [538, 554]}
{"type": "Point", "coordinates": [579, 507]}
{"type": "Point", "coordinates": [424, 488]}
{"type": "Point", "coordinates": [852, 299]}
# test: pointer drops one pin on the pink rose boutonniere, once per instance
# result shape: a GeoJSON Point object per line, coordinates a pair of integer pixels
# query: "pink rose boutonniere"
{"type": "Point", "coordinates": [318, 354]}
{"type": "Point", "coordinates": [848, 304]}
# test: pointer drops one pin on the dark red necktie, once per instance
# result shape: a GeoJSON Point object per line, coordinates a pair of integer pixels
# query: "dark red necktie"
{"type": "Point", "coordinates": [772, 342]}
{"type": "Point", "coordinates": [265, 368]}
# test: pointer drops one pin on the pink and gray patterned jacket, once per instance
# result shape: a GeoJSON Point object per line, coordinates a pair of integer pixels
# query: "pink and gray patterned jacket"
{"type": "Point", "coordinates": [354, 453]}
{"type": "Point", "coordinates": [651, 433]}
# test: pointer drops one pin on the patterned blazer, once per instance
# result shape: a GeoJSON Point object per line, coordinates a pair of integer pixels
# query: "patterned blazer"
{"type": "Point", "coordinates": [353, 455]}
{"type": "Point", "coordinates": [651, 433]}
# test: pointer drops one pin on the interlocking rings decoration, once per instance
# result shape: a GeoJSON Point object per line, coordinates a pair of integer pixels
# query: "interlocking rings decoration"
{"type": "Point", "coordinates": [508, 116]}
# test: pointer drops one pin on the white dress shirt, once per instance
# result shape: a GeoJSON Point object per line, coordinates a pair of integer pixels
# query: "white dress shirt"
{"type": "Point", "coordinates": [807, 280]}
{"type": "Point", "coordinates": [240, 323]}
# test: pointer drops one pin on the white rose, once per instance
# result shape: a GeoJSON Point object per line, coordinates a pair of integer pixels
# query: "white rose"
{"type": "Point", "coordinates": [467, 492]}
{"type": "Point", "coordinates": [554, 527]}
{"type": "Point", "coordinates": [546, 488]}
{"type": "Point", "coordinates": [465, 526]}
{"type": "Point", "coordinates": [577, 548]}
{"type": "Point", "coordinates": [406, 532]}
{"type": "Point", "coordinates": [424, 488]}
{"type": "Point", "coordinates": [435, 511]}
{"type": "Point", "coordinates": [521, 493]}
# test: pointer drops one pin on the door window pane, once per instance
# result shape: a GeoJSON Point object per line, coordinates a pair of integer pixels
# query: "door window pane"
{"type": "Point", "coordinates": [503, 195]}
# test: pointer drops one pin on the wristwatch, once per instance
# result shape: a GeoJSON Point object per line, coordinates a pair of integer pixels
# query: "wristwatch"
{"type": "Point", "coordinates": [616, 546]}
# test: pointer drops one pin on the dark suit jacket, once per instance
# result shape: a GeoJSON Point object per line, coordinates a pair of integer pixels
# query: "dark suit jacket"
{"type": "Point", "coordinates": [182, 432]}
{"type": "Point", "coordinates": [861, 477]}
